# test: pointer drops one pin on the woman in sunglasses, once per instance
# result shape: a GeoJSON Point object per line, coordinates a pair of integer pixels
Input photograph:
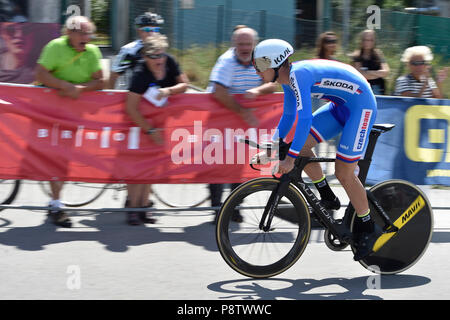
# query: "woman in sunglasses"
{"type": "Point", "coordinates": [419, 83]}
{"type": "Point", "coordinates": [156, 78]}
{"type": "Point", "coordinates": [327, 45]}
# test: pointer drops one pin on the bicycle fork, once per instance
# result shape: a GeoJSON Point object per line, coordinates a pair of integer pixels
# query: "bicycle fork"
{"type": "Point", "coordinates": [272, 204]}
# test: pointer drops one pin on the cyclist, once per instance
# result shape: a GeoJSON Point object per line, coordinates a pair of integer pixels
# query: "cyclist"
{"type": "Point", "coordinates": [351, 111]}
{"type": "Point", "coordinates": [129, 55]}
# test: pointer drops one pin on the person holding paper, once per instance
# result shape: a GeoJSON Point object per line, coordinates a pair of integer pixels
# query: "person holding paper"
{"type": "Point", "coordinates": [155, 79]}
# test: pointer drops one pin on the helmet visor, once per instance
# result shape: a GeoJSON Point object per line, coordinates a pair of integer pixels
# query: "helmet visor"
{"type": "Point", "coordinates": [260, 64]}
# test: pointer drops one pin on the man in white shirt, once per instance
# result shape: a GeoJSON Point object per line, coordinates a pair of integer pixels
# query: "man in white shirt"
{"type": "Point", "coordinates": [234, 73]}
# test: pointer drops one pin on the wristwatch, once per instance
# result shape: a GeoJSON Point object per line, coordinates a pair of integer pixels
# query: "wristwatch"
{"type": "Point", "coordinates": [151, 131]}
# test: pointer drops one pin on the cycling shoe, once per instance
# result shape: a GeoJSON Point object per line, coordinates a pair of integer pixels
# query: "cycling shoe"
{"type": "Point", "coordinates": [364, 242]}
{"type": "Point", "coordinates": [334, 204]}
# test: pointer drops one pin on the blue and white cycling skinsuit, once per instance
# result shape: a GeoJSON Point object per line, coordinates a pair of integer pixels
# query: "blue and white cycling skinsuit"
{"type": "Point", "coordinates": [352, 108]}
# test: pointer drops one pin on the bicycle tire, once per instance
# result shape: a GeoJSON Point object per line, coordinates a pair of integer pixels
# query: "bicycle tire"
{"type": "Point", "coordinates": [181, 195]}
{"type": "Point", "coordinates": [77, 198]}
{"type": "Point", "coordinates": [291, 226]}
{"type": "Point", "coordinates": [409, 209]}
{"type": "Point", "coordinates": [9, 190]}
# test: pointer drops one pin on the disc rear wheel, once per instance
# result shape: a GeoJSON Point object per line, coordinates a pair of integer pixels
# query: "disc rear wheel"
{"type": "Point", "coordinates": [409, 209]}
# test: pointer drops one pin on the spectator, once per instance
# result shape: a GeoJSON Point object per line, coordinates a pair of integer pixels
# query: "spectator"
{"type": "Point", "coordinates": [419, 83]}
{"type": "Point", "coordinates": [371, 63]}
{"type": "Point", "coordinates": [326, 46]}
{"type": "Point", "coordinates": [11, 11]}
{"type": "Point", "coordinates": [72, 66]}
{"type": "Point", "coordinates": [15, 48]}
{"type": "Point", "coordinates": [234, 73]}
{"type": "Point", "coordinates": [129, 55]}
{"type": "Point", "coordinates": [157, 71]}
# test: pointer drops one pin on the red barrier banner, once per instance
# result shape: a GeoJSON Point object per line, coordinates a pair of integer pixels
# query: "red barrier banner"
{"type": "Point", "coordinates": [47, 137]}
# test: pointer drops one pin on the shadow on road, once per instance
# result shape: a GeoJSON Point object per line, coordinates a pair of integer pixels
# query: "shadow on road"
{"type": "Point", "coordinates": [440, 237]}
{"type": "Point", "coordinates": [111, 231]}
{"type": "Point", "coordinates": [311, 289]}
{"type": "Point", "coordinates": [117, 236]}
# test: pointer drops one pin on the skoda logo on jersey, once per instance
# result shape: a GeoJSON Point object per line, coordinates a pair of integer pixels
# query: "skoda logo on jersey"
{"type": "Point", "coordinates": [339, 84]}
{"type": "Point", "coordinates": [294, 87]}
{"type": "Point", "coordinates": [361, 136]}
{"type": "Point", "coordinates": [280, 59]}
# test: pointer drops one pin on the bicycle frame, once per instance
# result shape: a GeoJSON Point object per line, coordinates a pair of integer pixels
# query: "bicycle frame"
{"type": "Point", "coordinates": [340, 230]}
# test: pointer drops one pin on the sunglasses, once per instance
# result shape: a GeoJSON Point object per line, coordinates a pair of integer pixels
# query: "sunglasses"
{"type": "Point", "coordinates": [12, 29]}
{"type": "Point", "coordinates": [150, 29]}
{"type": "Point", "coordinates": [329, 41]}
{"type": "Point", "coordinates": [155, 56]}
{"type": "Point", "coordinates": [418, 63]}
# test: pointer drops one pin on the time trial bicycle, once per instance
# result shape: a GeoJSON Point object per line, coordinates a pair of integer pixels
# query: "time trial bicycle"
{"type": "Point", "coordinates": [277, 224]}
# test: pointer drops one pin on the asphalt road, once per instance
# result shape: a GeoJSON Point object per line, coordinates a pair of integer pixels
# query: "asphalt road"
{"type": "Point", "coordinates": [101, 257]}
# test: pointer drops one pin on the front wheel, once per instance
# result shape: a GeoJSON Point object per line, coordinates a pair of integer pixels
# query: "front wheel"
{"type": "Point", "coordinates": [410, 211]}
{"type": "Point", "coordinates": [254, 252]}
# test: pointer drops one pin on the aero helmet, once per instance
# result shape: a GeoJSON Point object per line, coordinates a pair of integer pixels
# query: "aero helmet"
{"type": "Point", "coordinates": [148, 19]}
{"type": "Point", "coordinates": [271, 53]}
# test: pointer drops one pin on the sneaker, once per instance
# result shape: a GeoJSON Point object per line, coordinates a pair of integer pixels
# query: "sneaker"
{"type": "Point", "coordinates": [334, 204]}
{"type": "Point", "coordinates": [59, 218]}
{"type": "Point", "coordinates": [364, 242]}
{"type": "Point", "coordinates": [127, 203]}
{"type": "Point", "coordinates": [146, 218]}
{"type": "Point", "coordinates": [133, 218]}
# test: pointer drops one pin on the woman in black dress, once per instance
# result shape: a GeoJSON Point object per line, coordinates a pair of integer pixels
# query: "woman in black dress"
{"type": "Point", "coordinates": [159, 76]}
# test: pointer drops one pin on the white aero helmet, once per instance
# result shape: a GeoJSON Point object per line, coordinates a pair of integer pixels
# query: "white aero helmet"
{"type": "Point", "coordinates": [271, 53]}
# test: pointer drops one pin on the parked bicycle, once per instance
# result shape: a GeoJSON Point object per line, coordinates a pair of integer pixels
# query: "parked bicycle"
{"type": "Point", "coordinates": [277, 223]}
{"type": "Point", "coordinates": [8, 191]}
{"type": "Point", "coordinates": [172, 195]}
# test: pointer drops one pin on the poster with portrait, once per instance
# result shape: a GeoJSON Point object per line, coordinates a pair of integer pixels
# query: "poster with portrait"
{"type": "Point", "coordinates": [21, 42]}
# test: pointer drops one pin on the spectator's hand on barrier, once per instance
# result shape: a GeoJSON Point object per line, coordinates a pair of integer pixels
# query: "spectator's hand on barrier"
{"type": "Point", "coordinates": [251, 94]}
{"type": "Point", "coordinates": [249, 117]}
{"type": "Point", "coordinates": [157, 137]}
{"type": "Point", "coordinates": [70, 90]}
{"type": "Point", "coordinates": [163, 92]}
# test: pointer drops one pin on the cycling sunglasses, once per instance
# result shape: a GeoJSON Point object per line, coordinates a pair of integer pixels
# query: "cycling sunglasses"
{"type": "Point", "coordinates": [261, 64]}
{"type": "Point", "coordinates": [418, 63]}
{"type": "Point", "coordinates": [150, 29]}
{"type": "Point", "coordinates": [155, 56]}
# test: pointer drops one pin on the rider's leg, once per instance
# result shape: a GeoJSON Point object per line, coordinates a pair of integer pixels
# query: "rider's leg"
{"type": "Point", "coordinates": [315, 173]}
{"type": "Point", "coordinates": [345, 173]}
{"type": "Point", "coordinates": [313, 169]}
